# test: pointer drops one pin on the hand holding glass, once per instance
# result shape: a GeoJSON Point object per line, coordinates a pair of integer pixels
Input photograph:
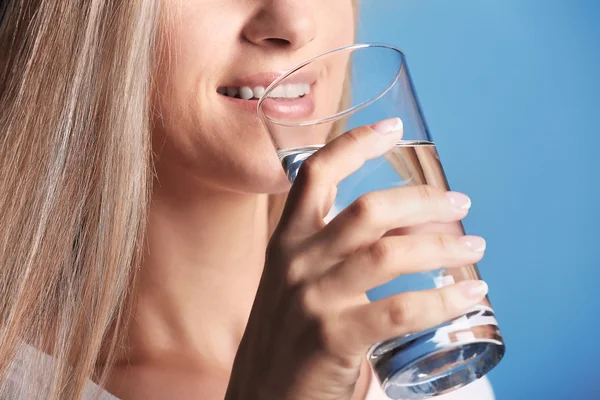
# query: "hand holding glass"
{"type": "Point", "coordinates": [375, 85]}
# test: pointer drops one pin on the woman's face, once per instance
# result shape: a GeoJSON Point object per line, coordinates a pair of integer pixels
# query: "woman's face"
{"type": "Point", "coordinates": [211, 45]}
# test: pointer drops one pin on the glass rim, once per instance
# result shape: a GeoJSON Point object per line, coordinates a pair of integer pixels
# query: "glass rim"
{"type": "Point", "coordinates": [340, 114]}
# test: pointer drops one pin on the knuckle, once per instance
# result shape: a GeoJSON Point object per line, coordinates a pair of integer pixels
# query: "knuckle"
{"type": "Point", "coordinates": [444, 243]}
{"type": "Point", "coordinates": [441, 302]}
{"type": "Point", "coordinates": [309, 302]}
{"type": "Point", "coordinates": [428, 194]}
{"type": "Point", "coordinates": [356, 135]}
{"type": "Point", "coordinates": [296, 267]}
{"type": "Point", "coordinates": [381, 252]}
{"type": "Point", "coordinates": [425, 193]}
{"type": "Point", "coordinates": [363, 208]}
{"type": "Point", "coordinates": [311, 168]}
{"type": "Point", "coordinates": [401, 312]}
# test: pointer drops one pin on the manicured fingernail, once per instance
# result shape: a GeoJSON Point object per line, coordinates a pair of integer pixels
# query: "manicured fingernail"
{"type": "Point", "coordinates": [473, 289]}
{"type": "Point", "coordinates": [459, 200]}
{"type": "Point", "coordinates": [387, 126]}
{"type": "Point", "coordinates": [473, 243]}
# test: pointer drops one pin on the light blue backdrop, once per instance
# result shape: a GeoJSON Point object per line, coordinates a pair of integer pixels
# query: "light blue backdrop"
{"type": "Point", "coordinates": [511, 91]}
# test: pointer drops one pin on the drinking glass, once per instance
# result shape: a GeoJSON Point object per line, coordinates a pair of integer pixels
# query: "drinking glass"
{"type": "Point", "coordinates": [356, 85]}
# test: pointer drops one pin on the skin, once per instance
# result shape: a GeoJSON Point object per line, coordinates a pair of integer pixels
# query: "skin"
{"type": "Point", "coordinates": [208, 238]}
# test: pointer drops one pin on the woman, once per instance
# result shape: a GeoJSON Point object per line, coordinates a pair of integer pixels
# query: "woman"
{"type": "Point", "coordinates": [138, 202]}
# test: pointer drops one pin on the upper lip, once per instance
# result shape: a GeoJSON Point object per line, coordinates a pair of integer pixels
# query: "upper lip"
{"type": "Point", "coordinates": [266, 78]}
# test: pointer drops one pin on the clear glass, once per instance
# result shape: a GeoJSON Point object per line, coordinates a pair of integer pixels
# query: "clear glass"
{"type": "Point", "coordinates": [353, 86]}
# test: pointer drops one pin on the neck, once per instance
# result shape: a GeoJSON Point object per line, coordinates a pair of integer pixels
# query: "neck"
{"type": "Point", "coordinates": [204, 260]}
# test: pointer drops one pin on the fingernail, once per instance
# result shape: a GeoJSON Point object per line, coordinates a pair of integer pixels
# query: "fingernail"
{"type": "Point", "coordinates": [387, 126]}
{"type": "Point", "coordinates": [473, 243]}
{"type": "Point", "coordinates": [473, 289]}
{"type": "Point", "coordinates": [459, 200]}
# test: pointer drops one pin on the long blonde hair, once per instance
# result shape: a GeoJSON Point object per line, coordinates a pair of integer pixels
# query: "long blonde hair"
{"type": "Point", "coordinates": [75, 178]}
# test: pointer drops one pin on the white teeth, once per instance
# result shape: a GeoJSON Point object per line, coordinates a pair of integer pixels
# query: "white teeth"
{"type": "Point", "coordinates": [258, 91]}
{"type": "Point", "coordinates": [306, 88]}
{"type": "Point", "coordinates": [246, 93]}
{"type": "Point", "coordinates": [290, 90]}
{"type": "Point", "coordinates": [285, 91]}
{"type": "Point", "coordinates": [232, 91]}
{"type": "Point", "coordinates": [279, 91]}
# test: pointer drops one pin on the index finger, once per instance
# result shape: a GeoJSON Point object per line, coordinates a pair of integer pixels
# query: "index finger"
{"type": "Point", "coordinates": [315, 187]}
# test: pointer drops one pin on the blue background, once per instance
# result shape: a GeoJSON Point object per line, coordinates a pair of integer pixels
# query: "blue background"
{"type": "Point", "coordinates": [511, 92]}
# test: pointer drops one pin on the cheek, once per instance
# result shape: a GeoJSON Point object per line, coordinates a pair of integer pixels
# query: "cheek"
{"type": "Point", "coordinates": [231, 151]}
{"type": "Point", "coordinates": [215, 146]}
{"type": "Point", "coordinates": [195, 130]}
{"type": "Point", "coordinates": [341, 30]}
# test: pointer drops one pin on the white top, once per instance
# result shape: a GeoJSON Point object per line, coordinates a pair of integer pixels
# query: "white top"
{"type": "Point", "coordinates": [29, 375]}
{"type": "Point", "coordinates": [29, 378]}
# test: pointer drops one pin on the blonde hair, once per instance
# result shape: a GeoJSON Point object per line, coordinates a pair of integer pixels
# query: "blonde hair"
{"type": "Point", "coordinates": [74, 173]}
{"type": "Point", "coordinates": [75, 178]}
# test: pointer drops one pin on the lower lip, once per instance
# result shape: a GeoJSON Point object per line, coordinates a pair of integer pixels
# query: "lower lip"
{"type": "Point", "coordinates": [279, 109]}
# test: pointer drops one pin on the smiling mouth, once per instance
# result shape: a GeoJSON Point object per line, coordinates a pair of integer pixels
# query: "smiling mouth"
{"type": "Point", "coordinates": [283, 91]}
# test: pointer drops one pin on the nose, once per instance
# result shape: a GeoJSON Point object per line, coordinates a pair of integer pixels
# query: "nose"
{"type": "Point", "coordinates": [282, 23]}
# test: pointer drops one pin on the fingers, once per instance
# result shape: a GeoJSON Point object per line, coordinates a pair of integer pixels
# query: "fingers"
{"type": "Point", "coordinates": [373, 214]}
{"type": "Point", "coordinates": [313, 191]}
{"type": "Point", "coordinates": [392, 256]}
{"type": "Point", "coordinates": [410, 312]}
{"type": "Point", "coordinates": [430, 227]}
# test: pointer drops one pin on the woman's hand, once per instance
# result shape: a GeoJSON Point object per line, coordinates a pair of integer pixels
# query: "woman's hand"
{"type": "Point", "coordinates": [311, 323]}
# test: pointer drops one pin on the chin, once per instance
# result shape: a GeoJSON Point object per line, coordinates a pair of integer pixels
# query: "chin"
{"type": "Point", "coordinates": [256, 170]}
{"type": "Point", "coordinates": [264, 180]}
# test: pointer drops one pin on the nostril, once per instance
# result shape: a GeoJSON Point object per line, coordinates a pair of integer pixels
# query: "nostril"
{"type": "Point", "coordinates": [277, 42]}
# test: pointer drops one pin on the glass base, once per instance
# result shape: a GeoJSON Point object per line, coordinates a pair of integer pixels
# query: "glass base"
{"type": "Point", "coordinates": [439, 360]}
